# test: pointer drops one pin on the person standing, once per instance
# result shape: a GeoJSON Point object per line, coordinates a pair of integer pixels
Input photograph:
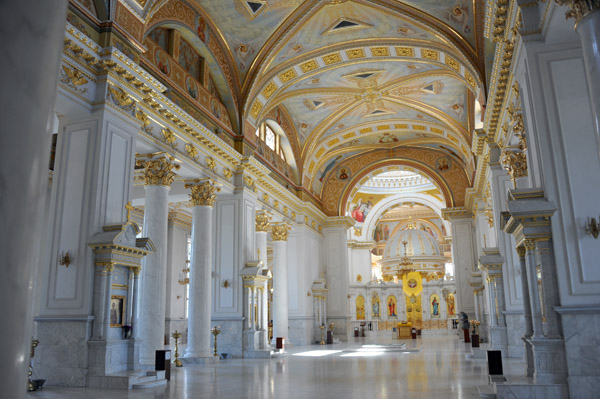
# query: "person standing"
{"type": "Point", "coordinates": [464, 318]}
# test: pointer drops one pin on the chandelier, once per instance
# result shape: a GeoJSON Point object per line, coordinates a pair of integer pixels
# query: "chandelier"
{"type": "Point", "coordinates": [405, 265]}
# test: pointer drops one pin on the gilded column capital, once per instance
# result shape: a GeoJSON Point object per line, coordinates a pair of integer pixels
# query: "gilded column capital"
{"type": "Point", "coordinates": [579, 8]}
{"type": "Point", "coordinates": [262, 220]}
{"type": "Point", "coordinates": [280, 231]}
{"type": "Point", "coordinates": [202, 191]}
{"type": "Point", "coordinates": [136, 270]}
{"type": "Point", "coordinates": [158, 168]}
{"type": "Point", "coordinates": [515, 162]}
{"type": "Point", "coordinates": [529, 245]}
{"type": "Point", "coordinates": [521, 251]}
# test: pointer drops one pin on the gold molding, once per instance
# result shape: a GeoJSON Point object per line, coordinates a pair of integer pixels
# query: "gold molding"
{"type": "Point", "coordinates": [202, 191]}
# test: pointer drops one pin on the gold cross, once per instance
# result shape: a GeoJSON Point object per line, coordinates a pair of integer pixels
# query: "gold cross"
{"type": "Point", "coordinates": [129, 208]}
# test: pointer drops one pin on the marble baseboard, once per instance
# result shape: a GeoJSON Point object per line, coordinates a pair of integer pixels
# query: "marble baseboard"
{"type": "Point", "coordinates": [524, 389]}
{"type": "Point", "coordinates": [515, 329]}
{"type": "Point", "coordinates": [258, 354]}
{"type": "Point", "coordinates": [584, 387]}
{"type": "Point", "coordinates": [200, 360]}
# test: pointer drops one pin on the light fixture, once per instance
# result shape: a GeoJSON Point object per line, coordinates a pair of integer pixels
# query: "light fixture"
{"type": "Point", "coordinates": [226, 284]}
{"type": "Point", "coordinates": [64, 259]}
{"type": "Point", "coordinates": [592, 227]}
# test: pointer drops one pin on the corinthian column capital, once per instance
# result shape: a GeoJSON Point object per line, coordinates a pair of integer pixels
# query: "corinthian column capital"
{"type": "Point", "coordinates": [579, 8]}
{"type": "Point", "coordinates": [202, 191]}
{"type": "Point", "coordinates": [280, 231]}
{"type": "Point", "coordinates": [158, 168]}
{"type": "Point", "coordinates": [262, 220]}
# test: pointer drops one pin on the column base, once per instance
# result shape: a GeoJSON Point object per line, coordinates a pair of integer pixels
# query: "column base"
{"type": "Point", "coordinates": [499, 340]}
{"type": "Point", "coordinates": [523, 387]}
{"type": "Point", "coordinates": [200, 360]}
{"type": "Point", "coordinates": [549, 360]}
{"type": "Point", "coordinates": [528, 356]}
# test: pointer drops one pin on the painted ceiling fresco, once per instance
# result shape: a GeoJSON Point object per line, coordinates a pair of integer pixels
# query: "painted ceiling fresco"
{"type": "Point", "coordinates": [355, 76]}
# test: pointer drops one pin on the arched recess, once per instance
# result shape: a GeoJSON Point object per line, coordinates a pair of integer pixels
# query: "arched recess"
{"type": "Point", "coordinates": [286, 147]}
{"type": "Point", "coordinates": [382, 206]}
{"type": "Point", "coordinates": [426, 170]}
{"type": "Point", "coordinates": [180, 16]}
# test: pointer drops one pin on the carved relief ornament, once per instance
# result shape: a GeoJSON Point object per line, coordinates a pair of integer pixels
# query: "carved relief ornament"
{"type": "Point", "coordinates": [158, 168]}
{"type": "Point", "coordinates": [515, 162]}
{"type": "Point", "coordinates": [202, 191]}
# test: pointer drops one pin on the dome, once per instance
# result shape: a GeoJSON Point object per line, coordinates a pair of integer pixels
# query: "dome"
{"type": "Point", "coordinates": [418, 243]}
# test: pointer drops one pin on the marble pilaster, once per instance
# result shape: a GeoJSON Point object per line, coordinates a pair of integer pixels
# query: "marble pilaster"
{"type": "Point", "coordinates": [280, 283]}
{"type": "Point", "coordinates": [261, 233]}
{"type": "Point", "coordinates": [158, 178]}
{"type": "Point", "coordinates": [199, 312]}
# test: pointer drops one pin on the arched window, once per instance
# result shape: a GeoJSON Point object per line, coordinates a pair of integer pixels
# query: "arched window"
{"type": "Point", "coordinates": [270, 138]}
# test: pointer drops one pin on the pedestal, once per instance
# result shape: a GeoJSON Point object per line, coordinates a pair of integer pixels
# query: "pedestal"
{"type": "Point", "coordinates": [475, 340]}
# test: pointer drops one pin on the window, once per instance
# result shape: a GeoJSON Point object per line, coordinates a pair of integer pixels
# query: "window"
{"type": "Point", "coordinates": [270, 138]}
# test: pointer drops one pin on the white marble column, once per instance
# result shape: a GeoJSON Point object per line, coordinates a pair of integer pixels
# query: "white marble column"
{"type": "Point", "coordinates": [262, 230]}
{"type": "Point", "coordinates": [158, 179]}
{"type": "Point", "coordinates": [534, 298]}
{"type": "Point", "coordinates": [199, 312]}
{"type": "Point", "coordinates": [32, 33]}
{"type": "Point", "coordinates": [280, 286]}
{"type": "Point", "coordinates": [499, 290]}
{"type": "Point", "coordinates": [135, 303]}
{"type": "Point", "coordinates": [587, 16]}
{"type": "Point", "coordinates": [526, 312]}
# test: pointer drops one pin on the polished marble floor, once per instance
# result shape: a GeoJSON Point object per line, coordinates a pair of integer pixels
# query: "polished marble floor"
{"type": "Point", "coordinates": [439, 370]}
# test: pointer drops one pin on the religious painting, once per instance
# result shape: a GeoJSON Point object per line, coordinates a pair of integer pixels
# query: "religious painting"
{"type": "Point", "coordinates": [214, 107]}
{"type": "Point", "coordinates": [343, 173]}
{"type": "Point", "coordinates": [388, 138]}
{"type": "Point", "coordinates": [392, 304]}
{"type": "Point", "coordinates": [450, 304]}
{"type": "Point", "coordinates": [375, 305]}
{"type": "Point", "coordinates": [202, 29]}
{"type": "Point", "coordinates": [191, 87]}
{"type": "Point", "coordinates": [443, 164]}
{"type": "Point", "coordinates": [360, 210]}
{"type": "Point", "coordinates": [162, 61]}
{"type": "Point", "coordinates": [434, 300]}
{"type": "Point", "coordinates": [360, 308]}
{"type": "Point", "coordinates": [117, 310]}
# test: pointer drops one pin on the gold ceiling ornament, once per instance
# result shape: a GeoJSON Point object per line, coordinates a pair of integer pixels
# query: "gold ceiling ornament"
{"type": "Point", "coordinates": [169, 137]}
{"type": "Point", "coordinates": [249, 183]}
{"type": "Point", "coordinates": [158, 168]}
{"type": "Point", "coordinates": [579, 8]}
{"type": "Point", "coordinates": [143, 118]}
{"type": "Point", "coordinates": [74, 76]}
{"type": "Point", "coordinates": [261, 219]}
{"type": "Point", "coordinates": [192, 151]}
{"type": "Point", "coordinates": [227, 173]}
{"type": "Point", "coordinates": [515, 162]}
{"type": "Point", "coordinates": [280, 231]}
{"type": "Point", "coordinates": [489, 213]}
{"type": "Point", "coordinates": [202, 191]}
{"type": "Point", "coordinates": [500, 17]}
{"type": "Point", "coordinates": [211, 164]}
{"type": "Point", "coordinates": [120, 97]}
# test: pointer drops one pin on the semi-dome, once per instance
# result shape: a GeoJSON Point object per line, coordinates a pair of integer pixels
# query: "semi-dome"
{"type": "Point", "coordinates": [412, 250]}
{"type": "Point", "coordinates": [418, 243]}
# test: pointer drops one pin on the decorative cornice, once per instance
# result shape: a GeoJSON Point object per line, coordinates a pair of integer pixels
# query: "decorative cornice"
{"type": "Point", "coordinates": [340, 221]}
{"type": "Point", "coordinates": [361, 244]}
{"type": "Point", "coordinates": [202, 191]}
{"type": "Point", "coordinates": [158, 168]}
{"type": "Point", "coordinates": [455, 213]}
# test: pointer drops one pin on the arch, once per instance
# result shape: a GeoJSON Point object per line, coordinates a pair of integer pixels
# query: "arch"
{"type": "Point", "coordinates": [425, 169]}
{"type": "Point", "coordinates": [286, 147]}
{"type": "Point", "coordinates": [390, 202]}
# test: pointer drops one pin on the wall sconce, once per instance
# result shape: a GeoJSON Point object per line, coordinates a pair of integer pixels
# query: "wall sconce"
{"type": "Point", "coordinates": [592, 227]}
{"type": "Point", "coordinates": [226, 284]}
{"type": "Point", "coordinates": [64, 259]}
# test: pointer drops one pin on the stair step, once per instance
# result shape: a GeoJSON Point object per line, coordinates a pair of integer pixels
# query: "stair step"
{"type": "Point", "coordinates": [487, 391]}
{"type": "Point", "coordinates": [150, 384]}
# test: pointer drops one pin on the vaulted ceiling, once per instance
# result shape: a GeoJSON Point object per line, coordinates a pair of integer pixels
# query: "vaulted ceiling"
{"type": "Point", "coordinates": [359, 82]}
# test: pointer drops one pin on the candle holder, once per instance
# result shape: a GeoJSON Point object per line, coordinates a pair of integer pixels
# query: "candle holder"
{"type": "Point", "coordinates": [215, 331]}
{"type": "Point", "coordinates": [31, 385]}
{"type": "Point", "coordinates": [322, 327]}
{"type": "Point", "coordinates": [331, 325]}
{"type": "Point", "coordinates": [176, 335]}
{"type": "Point", "coordinates": [475, 326]}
